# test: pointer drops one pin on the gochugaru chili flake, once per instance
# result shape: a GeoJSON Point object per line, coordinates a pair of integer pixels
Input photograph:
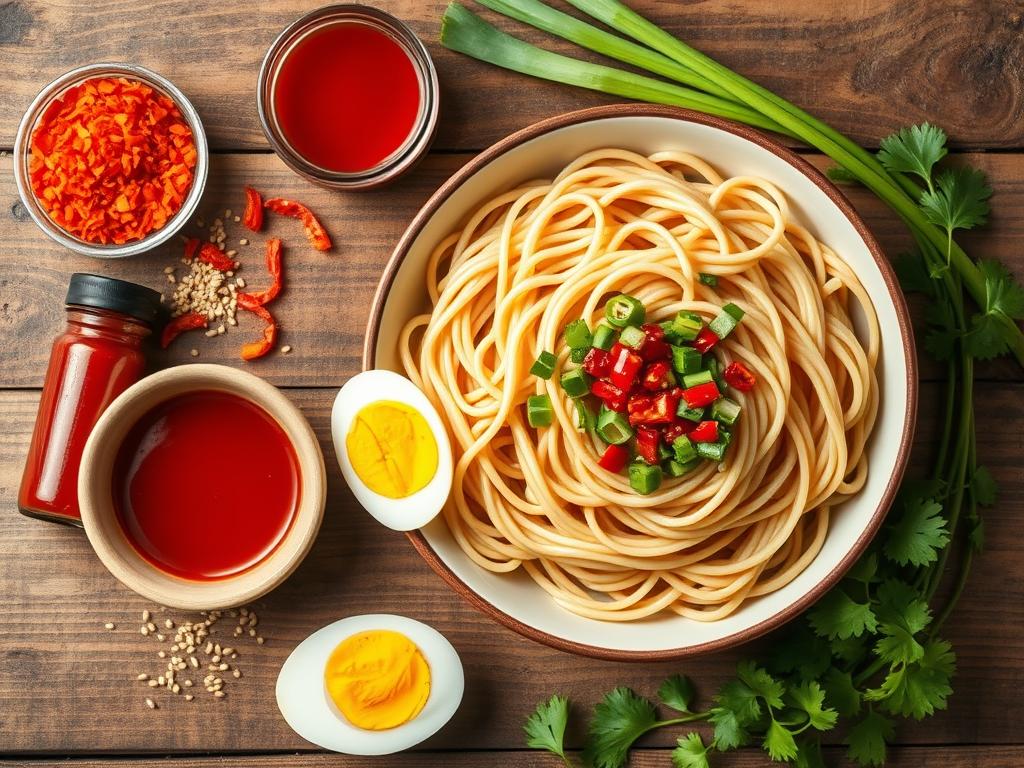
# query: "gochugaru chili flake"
{"type": "Point", "coordinates": [112, 160]}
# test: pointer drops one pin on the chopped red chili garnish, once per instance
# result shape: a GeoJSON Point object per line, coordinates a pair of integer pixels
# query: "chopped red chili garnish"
{"type": "Point", "coordinates": [253, 216]}
{"type": "Point", "coordinates": [213, 256]}
{"type": "Point", "coordinates": [614, 458]}
{"type": "Point", "coordinates": [647, 441]}
{"type": "Point", "coordinates": [674, 431]}
{"type": "Point", "coordinates": [274, 268]}
{"type": "Point", "coordinates": [705, 432]}
{"type": "Point", "coordinates": [625, 365]}
{"type": "Point", "coordinates": [656, 376]}
{"type": "Point", "coordinates": [612, 396]}
{"type": "Point", "coordinates": [259, 348]}
{"type": "Point", "coordinates": [654, 347]}
{"type": "Point", "coordinates": [701, 395]}
{"type": "Point", "coordinates": [597, 363]}
{"type": "Point", "coordinates": [315, 231]}
{"type": "Point", "coordinates": [739, 376]}
{"type": "Point", "coordinates": [705, 340]}
{"type": "Point", "coordinates": [652, 409]}
{"type": "Point", "coordinates": [179, 325]}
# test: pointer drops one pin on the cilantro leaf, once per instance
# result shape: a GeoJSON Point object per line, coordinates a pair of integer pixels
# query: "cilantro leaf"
{"type": "Point", "coordinates": [851, 649]}
{"type": "Point", "coordinates": [810, 698]}
{"type": "Point", "coordinates": [837, 616]}
{"type": "Point", "coordinates": [864, 570]}
{"type": "Point", "coordinates": [761, 683]}
{"type": "Point", "coordinates": [867, 739]}
{"type": "Point", "coordinates": [914, 150]}
{"type": "Point", "coordinates": [778, 742]}
{"type": "Point", "coordinates": [840, 692]}
{"type": "Point", "coordinates": [800, 651]}
{"type": "Point", "coordinates": [902, 613]}
{"type": "Point", "coordinates": [985, 339]}
{"type": "Point", "coordinates": [1002, 292]}
{"type": "Point", "coordinates": [691, 752]}
{"type": "Point", "coordinates": [977, 536]}
{"type": "Point", "coordinates": [960, 200]}
{"type": "Point", "coordinates": [809, 755]}
{"type": "Point", "coordinates": [677, 692]}
{"type": "Point", "coordinates": [619, 720]}
{"type": "Point", "coordinates": [918, 689]}
{"type": "Point", "coordinates": [736, 708]}
{"type": "Point", "coordinates": [986, 491]}
{"type": "Point", "coordinates": [545, 728]}
{"type": "Point", "coordinates": [917, 534]}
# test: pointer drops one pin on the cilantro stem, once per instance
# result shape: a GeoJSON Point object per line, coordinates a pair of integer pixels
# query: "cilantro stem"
{"type": "Point", "coordinates": [691, 718]}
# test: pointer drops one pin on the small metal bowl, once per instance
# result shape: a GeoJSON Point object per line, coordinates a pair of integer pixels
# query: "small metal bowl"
{"type": "Point", "coordinates": [419, 138]}
{"type": "Point", "coordinates": [23, 152]}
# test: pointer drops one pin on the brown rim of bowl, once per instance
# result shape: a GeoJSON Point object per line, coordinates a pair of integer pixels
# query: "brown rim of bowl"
{"type": "Point", "coordinates": [902, 314]}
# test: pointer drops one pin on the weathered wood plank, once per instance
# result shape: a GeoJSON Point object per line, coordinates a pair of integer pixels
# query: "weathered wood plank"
{"type": "Point", "coordinates": [866, 67]}
{"type": "Point", "coordinates": [901, 757]}
{"type": "Point", "coordinates": [67, 685]}
{"type": "Point", "coordinates": [325, 304]}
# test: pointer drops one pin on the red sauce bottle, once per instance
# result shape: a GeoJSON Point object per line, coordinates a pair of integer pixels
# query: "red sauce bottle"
{"type": "Point", "coordinates": [96, 358]}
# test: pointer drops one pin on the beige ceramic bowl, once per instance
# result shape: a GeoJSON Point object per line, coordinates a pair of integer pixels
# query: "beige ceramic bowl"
{"type": "Point", "coordinates": [104, 531]}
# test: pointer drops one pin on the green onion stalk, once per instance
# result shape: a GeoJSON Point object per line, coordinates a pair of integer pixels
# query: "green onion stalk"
{"type": "Point", "coordinates": [701, 84]}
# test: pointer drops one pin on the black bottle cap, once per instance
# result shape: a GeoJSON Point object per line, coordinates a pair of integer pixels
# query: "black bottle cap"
{"type": "Point", "coordinates": [100, 292]}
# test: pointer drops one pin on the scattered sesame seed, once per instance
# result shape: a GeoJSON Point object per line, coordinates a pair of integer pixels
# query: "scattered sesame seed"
{"type": "Point", "coordinates": [286, 349]}
{"type": "Point", "coordinates": [109, 625]}
{"type": "Point", "coordinates": [151, 704]}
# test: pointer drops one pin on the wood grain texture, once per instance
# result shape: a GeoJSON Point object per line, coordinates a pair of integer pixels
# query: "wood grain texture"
{"type": "Point", "coordinates": [324, 307]}
{"type": "Point", "coordinates": [904, 757]}
{"type": "Point", "coordinates": [867, 67]}
{"type": "Point", "coordinates": [67, 685]}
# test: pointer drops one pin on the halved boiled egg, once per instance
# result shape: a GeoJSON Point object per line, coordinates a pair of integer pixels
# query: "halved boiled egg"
{"type": "Point", "coordinates": [370, 685]}
{"type": "Point", "coordinates": [393, 449]}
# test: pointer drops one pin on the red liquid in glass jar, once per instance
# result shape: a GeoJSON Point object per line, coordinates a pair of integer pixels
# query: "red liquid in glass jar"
{"type": "Point", "coordinates": [346, 97]}
{"type": "Point", "coordinates": [206, 485]}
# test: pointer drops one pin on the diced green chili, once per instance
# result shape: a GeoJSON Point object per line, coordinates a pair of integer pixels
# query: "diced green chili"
{"type": "Point", "coordinates": [632, 337]}
{"type": "Point", "coordinates": [698, 378]}
{"type": "Point", "coordinates": [604, 337]}
{"type": "Point", "coordinates": [686, 360]}
{"type": "Point", "coordinates": [624, 310]}
{"type": "Point", "coordinates": [644, 478]}
{"type": "Point", "coordinates": [707, 279]}
{"type": "Point", "coordinates": [692, 414]}
{"type": "Point", "coordinates": [725, 410]}
{"type": "Point", "coordinates": [683, 450]}
{"type": "Point", "coordinates": [578, 355]}
{"type": "Point", "coordinates": [575, 383]}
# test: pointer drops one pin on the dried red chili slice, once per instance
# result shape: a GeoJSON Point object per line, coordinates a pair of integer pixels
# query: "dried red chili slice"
{"type": "Point", "coordinates": [315, 231]}
{"type": "Point", "coordinates": [213, 256]}
{"type": "Point", "coordinates": [253, 216]}
{"type": "Point", "coordinates": [179, 325]}
{"type": "Point", "coordinates": [274, 268]}
{"type": "Point", "coordinates": [257, 349]}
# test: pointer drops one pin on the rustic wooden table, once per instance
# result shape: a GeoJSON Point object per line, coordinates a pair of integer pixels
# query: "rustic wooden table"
{"type": "Point", "coordinates": [67, 685]}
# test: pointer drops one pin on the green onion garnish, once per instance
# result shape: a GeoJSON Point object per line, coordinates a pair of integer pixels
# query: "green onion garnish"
{"type": "Point", "coordinates": [538, 411]}
{"type": "Point", "coordinates": [683, 450]}
{"type": "Point", "coordinates": [707, 279]}
{"type": "Point", "coordinates": [575, 383]}
{"type": "Point", "coordinates": [725, 410]}
{"type": "Point", "coordinates": [544, 365]}
{"type": "Point", "coordinates": [644, 478]}
{"type": "Point", "coordinates": [577, 335]}
{"type": "Point", "coordinates": [686, 360]}
{"type": "Point", "coordinates": [691, 414]}
{"type": "Point", "coordinates": [604, 337]}
{"type": "Point", "coordinates": [695, 379]}
{"type": "Point", "coordinates": [632, 337]}
{"type": "Point", "coordinates": [613, 427]}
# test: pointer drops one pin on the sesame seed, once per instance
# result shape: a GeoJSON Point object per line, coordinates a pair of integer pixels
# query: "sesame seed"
{"type": "Point", "coordinates": [150, 703]}
{"type": "Point", "coordinates": [109, 625]}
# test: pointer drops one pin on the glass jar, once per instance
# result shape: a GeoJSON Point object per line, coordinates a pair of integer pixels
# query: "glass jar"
{"type": "Point", "coordinates": [419, 138]}
{"type": "Point", "coordinates": [96, 358]}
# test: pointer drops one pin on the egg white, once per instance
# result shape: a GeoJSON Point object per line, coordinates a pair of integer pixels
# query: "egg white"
{"type": "Point", "coordinates": [303, 699]}
{"type": "Point", "coordinates": [420, 508]}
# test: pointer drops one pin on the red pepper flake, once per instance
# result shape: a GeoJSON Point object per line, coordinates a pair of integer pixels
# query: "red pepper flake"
{"type": "Point", "coordinates": [315, 231]}
{"type": "Point", "coordinates": [112, 160]}
{"type": "Point", "coordinates": [253, 216]}
{"type": "Point", "coordinates": [213, 256]}
{"type": "Point", "coordinates": [257, 349]}
{"type": "Point", "coordinates": [179, 325]}
{"type": "Point", "coordinates": [274, 268]}
{"type": "Point", "coordinates": [191, 248]}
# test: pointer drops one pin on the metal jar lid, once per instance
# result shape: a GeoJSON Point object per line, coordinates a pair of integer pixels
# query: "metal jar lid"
{"type": "Point", "coordinates": [98, 292]}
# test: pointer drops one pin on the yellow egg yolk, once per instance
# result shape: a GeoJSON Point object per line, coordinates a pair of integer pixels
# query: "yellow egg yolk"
{"type": "Point", "coordinates": [392, 449]}
{"type": "Point", "coordinates": [378, 679]}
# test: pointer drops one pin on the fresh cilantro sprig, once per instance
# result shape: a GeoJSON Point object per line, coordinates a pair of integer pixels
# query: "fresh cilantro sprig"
{"type": "Point", "coordinates": [545, 728]}
{"type": "Point", "coordinates": [869, 653]}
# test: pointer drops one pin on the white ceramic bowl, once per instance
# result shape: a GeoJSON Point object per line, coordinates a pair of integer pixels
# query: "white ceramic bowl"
{"type": "Point", "coordinates": [540, 151]}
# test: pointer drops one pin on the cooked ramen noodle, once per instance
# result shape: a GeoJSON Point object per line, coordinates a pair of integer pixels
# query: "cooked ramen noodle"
{"type": "Point", "coordinates": [530, 261]}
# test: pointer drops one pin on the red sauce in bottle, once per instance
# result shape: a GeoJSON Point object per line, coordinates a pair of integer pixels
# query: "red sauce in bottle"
{"type": "Point", "coordinates": [206, 485]}
{"type": "Point", "coordinates": [96, 358]}
{"type": "Point", "coordinates": [347, 96]}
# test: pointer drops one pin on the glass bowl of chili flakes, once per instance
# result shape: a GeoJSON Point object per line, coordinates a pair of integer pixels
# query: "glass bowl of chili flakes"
{"type": "Point", "coordinates": [111, 160]}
